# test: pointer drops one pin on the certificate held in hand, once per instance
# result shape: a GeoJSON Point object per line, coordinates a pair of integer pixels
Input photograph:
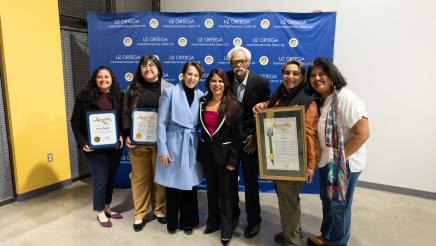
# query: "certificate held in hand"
{"type": "Point", "coordinates": [281, 141]}
{"type": "Point", "coordinates": [144, 126]}
{"type": "Point", "coordinates": [102, 129]}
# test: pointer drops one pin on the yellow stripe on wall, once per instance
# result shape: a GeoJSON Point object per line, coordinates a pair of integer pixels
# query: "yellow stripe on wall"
{"type": "Point", "coordinates": [34, 90]}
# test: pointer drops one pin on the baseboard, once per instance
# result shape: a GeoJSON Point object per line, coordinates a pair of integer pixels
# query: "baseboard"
{"type": "Point", "coordinates": [43, 190]}
{"type": "Point", "coordinates": [81, 177]}
{"type": "Point", "coordinates": [399, 190]}
{"type": "Point", "coordinates": [6, 201]}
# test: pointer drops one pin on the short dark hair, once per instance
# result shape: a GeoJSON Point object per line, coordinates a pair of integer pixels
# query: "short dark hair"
{"type": "Point", "coordinates": [194, 64]}
{"type": "Point", "coordinates": [331, 71]}
{"type": "Point", "coordinates": [300, 66]}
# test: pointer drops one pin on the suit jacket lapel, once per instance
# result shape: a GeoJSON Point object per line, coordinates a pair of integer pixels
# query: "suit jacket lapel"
{"type": "Point", "coordinates": [248, 88]}
{"type": "Point", "coordinates": [180, 111]}
{"type": "Point", "coordinates": [220, 123]}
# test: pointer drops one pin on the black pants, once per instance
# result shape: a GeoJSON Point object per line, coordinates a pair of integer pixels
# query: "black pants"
{"type": "Point", "coordinates": [220, 194]}
{"type": "Point", "coordinates": [103, 165]}
{"type": "Point", "coordinates": [184, 202]}
{"type": "Point", "coordinates": [250, 171]}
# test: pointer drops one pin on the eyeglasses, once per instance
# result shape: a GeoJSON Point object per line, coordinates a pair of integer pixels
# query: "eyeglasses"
{"type": "Point", "coordinates": [236, 62]}
{"type": "Point", "coordinates": [149, 65]}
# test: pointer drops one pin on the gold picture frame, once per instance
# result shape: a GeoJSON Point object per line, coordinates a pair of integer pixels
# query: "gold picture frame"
{"type": "Point", "coordinates": [281, 143]}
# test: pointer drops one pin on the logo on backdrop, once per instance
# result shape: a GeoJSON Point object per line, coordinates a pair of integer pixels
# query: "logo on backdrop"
{"type": "Point", "coordinates": [264, 23]}
{"type": "Point", "coordinates": [207, 37]}
{"type": "Point", "coordinates": [208, 59]}
{"type": "Point", "coordinates": [208, 23]}
{"type": "Point", "coordinates": [263, 60]}
{"type": "Point", "coordinates": [182, 41]}
{"type": "Point", "coordinates": [293, 42]}
{"type": "Point", "coordinates": [128, 77]}
{"type": "Point", "coordinates": [180, 76]}
{"type": "Point", "coordinates": [154, 23]}
{"type": "Point", "coordinates": [127, 41]}
{"type": "Point", "coordinates": [237, 41]}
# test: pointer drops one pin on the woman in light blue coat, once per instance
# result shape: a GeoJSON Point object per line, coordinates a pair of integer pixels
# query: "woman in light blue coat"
{"type": "Point", "coordinates": [177, 167]}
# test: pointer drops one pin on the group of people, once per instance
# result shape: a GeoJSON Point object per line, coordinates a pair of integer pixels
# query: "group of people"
{"type": "Point", "coordinates": [211, 135]}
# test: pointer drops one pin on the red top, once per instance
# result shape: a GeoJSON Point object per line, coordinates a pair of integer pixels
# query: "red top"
{"type": "Point", "coordinates": [103, 101]}
{"type": "Point", "coordinates": [211, 120]}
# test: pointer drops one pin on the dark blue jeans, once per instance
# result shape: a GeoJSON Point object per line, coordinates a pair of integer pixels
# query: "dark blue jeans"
{"type": "Point", "coordinates": [336, 217]}
{"type": "Point", "coordinates": [103, 165]}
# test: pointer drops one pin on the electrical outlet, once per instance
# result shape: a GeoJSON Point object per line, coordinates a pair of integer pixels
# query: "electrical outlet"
{"type": "Point", "coordinates": [50, 157]}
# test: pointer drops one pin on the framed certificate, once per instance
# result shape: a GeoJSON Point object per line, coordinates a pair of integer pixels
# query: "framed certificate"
{"type": "Point", "coordinates": [281, 142]}
{"type": "Point", "coordinates": [144, 126]}
{"type": "Point", "coordinates": [102, 129]}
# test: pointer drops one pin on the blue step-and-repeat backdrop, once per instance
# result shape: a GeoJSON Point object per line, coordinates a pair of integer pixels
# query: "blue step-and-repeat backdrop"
{"type": "Point", "coordinates": [120, 40]}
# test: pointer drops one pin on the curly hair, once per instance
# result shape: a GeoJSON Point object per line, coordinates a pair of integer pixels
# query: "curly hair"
{"type": "Point", "coordinates": [114, 91]}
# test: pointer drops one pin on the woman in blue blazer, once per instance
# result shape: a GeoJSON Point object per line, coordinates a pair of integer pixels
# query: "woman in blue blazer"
{"type": "Point", "coordinates": [177, 168]}
{"type": "Point", "coordinates": [220, 143]}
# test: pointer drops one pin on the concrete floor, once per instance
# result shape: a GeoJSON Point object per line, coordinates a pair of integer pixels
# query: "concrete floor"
{"type": "Point", "coordinates": [65, 217]}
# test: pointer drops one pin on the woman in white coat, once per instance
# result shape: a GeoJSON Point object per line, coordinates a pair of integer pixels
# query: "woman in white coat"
{"type": "Point", "coordinates": [177, 167]}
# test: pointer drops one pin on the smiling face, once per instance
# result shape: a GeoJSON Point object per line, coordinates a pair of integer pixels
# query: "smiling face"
{"type": "Point", "coordinates": [103, 80]}
{"type": "Point", "coordinates": [149, 71]}
{"type": "Point", "coordinates": [292, 76]}
{"type": "Point", "coordinates": [320, 82]}
{"type": "Point", "coordinates": [191, 77]}
{"type": "Point", "coordinates": [216, 85]}
{"type": "Point", "coordinates": [240, 63]}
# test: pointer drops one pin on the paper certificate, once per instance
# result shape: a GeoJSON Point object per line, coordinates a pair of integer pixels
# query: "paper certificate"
{"type": "Point", "coordinates": [144, 126]}
{"type": "Point", "coordinates": [281, 143]}
{"type": "Point", "coordinates": [102, 129]}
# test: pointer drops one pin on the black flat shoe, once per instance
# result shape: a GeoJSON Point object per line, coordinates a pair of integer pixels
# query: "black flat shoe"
{"type": "Point", "coordinates": [251, 231]}
{"type": "Point", "coordinates": [225, 241]}
{"type": "Point", "coordinates": [187, 230]}
{"type": "Point", "coordinates": [278, 238]}
{"type": "Point", "coordinates": [161, 220]}
{"type": "Point", "coordinates": [210, 230]}
{"type": "Point", "coordinates": [171, 231]}
{"type": "Point", "coordinates": [139, 227]}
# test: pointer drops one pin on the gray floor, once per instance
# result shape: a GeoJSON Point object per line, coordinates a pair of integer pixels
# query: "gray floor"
{"type": "Point", "coordinates": [64, 217]}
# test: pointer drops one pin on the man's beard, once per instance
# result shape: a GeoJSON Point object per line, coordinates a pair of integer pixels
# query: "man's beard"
{"type": "Point", "coordinates": [240, 73]}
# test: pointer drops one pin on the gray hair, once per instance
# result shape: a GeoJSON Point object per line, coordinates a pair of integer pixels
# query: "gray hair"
{"type": "Point", "coordinates": [239, 48]}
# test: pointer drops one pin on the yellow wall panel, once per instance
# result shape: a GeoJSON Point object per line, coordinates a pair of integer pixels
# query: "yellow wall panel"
{"type": "Point", "coordinates": [34, 90]}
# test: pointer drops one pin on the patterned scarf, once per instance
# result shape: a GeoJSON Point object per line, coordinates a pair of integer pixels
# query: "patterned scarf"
{"type": "Point", "coordinates": [337, 170]}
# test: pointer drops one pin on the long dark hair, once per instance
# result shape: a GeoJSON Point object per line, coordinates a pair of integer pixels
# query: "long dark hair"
{"type": "Point", "coordinates": [136, 88]}
{"type": "Point", "coordinates": [330, 70]}
{"type": "Point", "coordinates": [114, 91]}
{"type": "Point", "coordinates": [229, 103]}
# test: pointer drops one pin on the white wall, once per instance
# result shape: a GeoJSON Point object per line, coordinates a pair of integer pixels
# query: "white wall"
{"type": "Point", "coordinates": [387, 51]}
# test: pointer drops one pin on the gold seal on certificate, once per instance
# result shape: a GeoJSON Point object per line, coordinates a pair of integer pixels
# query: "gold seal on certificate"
{"type": "Point", "coordinates": [102, 129]}
{"type": "Point", "coordinates": [281, 143]}
{"type": "Point", "coordinates": [144, 126]}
